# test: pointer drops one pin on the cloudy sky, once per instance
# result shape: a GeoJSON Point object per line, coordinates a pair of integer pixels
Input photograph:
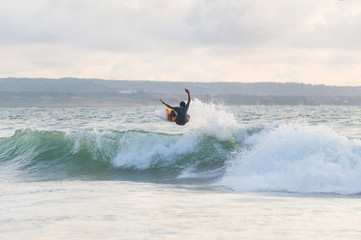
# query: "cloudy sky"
{"type": "Point", "coordinates": [305, 41]}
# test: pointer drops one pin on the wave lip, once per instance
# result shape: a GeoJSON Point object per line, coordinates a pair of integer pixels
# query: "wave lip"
{"type": "Point", "coordinates": [296, 159]}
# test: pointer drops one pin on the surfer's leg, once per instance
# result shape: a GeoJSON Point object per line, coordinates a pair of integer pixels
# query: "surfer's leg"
{"type": "Point", "coordinates": [173, 114]}
{"type": "Point", "coordinates": [169, 116]}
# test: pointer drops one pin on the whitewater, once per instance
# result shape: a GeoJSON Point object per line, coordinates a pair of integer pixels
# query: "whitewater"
{"type": "Point", "coordinates": [250, 172]}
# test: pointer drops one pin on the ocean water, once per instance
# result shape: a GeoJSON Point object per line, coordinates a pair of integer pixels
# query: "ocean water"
{"type": "Point", "coordinates": [240, 172]}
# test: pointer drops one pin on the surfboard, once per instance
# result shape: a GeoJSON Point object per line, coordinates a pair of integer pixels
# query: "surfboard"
{"type": "Point", "coordinates": [164, 114]}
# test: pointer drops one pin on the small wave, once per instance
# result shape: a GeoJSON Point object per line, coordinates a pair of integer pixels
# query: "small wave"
{"type": "Point", "coordinates": [52, 155]}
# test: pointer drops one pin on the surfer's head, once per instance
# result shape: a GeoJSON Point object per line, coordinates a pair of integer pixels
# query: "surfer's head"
{"type": "Point", "coordinates": [182, 104]}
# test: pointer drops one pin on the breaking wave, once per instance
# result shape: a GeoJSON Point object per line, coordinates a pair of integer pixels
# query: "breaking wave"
{"type": "Point", "coordinates": [214, 149]}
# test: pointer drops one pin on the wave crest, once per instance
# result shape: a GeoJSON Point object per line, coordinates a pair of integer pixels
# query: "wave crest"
{"type": "Point", "coordinates": [46, 155]}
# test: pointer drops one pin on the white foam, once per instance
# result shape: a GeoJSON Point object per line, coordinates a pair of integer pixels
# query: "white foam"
{"type": "Point", "coordinates": [141, 150]}
{"type": "Point", "coordinates": [297, 159]}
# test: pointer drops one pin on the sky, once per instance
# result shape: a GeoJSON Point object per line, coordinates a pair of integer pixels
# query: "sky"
{"type": "Point", "coordinates": [304, 41]}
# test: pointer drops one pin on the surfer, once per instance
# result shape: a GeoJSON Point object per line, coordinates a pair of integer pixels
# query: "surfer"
{"type": "Point", "coordinates": [179, 114]}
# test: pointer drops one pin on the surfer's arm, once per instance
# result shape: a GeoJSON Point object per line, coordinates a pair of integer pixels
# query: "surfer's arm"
{"type": "Point", "coordinates": [169, 106]}
{"type": "Point", "coordinates": [189, 95]}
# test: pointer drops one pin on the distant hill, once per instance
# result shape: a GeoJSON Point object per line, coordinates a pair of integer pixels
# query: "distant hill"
{"type": "Point", "coordinates": [96, 92]}
{"type": "Point", "coordinates": [75, 85]}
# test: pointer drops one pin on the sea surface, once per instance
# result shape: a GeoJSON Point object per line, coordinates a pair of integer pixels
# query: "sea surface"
{"type": "Point", "coordinates": [233, 172]}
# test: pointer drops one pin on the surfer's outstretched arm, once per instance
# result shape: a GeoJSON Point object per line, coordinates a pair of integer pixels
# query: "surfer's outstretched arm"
{"type": "Point", "coordinates": [189, 95]}
{"type": "Point", "coordinates": [169, 106]}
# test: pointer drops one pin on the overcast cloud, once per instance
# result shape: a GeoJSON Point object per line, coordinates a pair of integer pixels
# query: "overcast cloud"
{"type": "Point", "coordinates": [307, 41]}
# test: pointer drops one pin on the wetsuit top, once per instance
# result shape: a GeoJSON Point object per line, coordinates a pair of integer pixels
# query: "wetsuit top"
{"type": "Point", "coordinates": [182, 114]}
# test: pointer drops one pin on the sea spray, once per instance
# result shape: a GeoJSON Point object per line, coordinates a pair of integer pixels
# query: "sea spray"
{"type": "Point", "coordinates": [213, 120]}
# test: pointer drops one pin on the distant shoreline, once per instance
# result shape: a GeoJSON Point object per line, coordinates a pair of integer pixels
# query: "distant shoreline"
{"type": "Point", "coordinates": [73, 92]}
